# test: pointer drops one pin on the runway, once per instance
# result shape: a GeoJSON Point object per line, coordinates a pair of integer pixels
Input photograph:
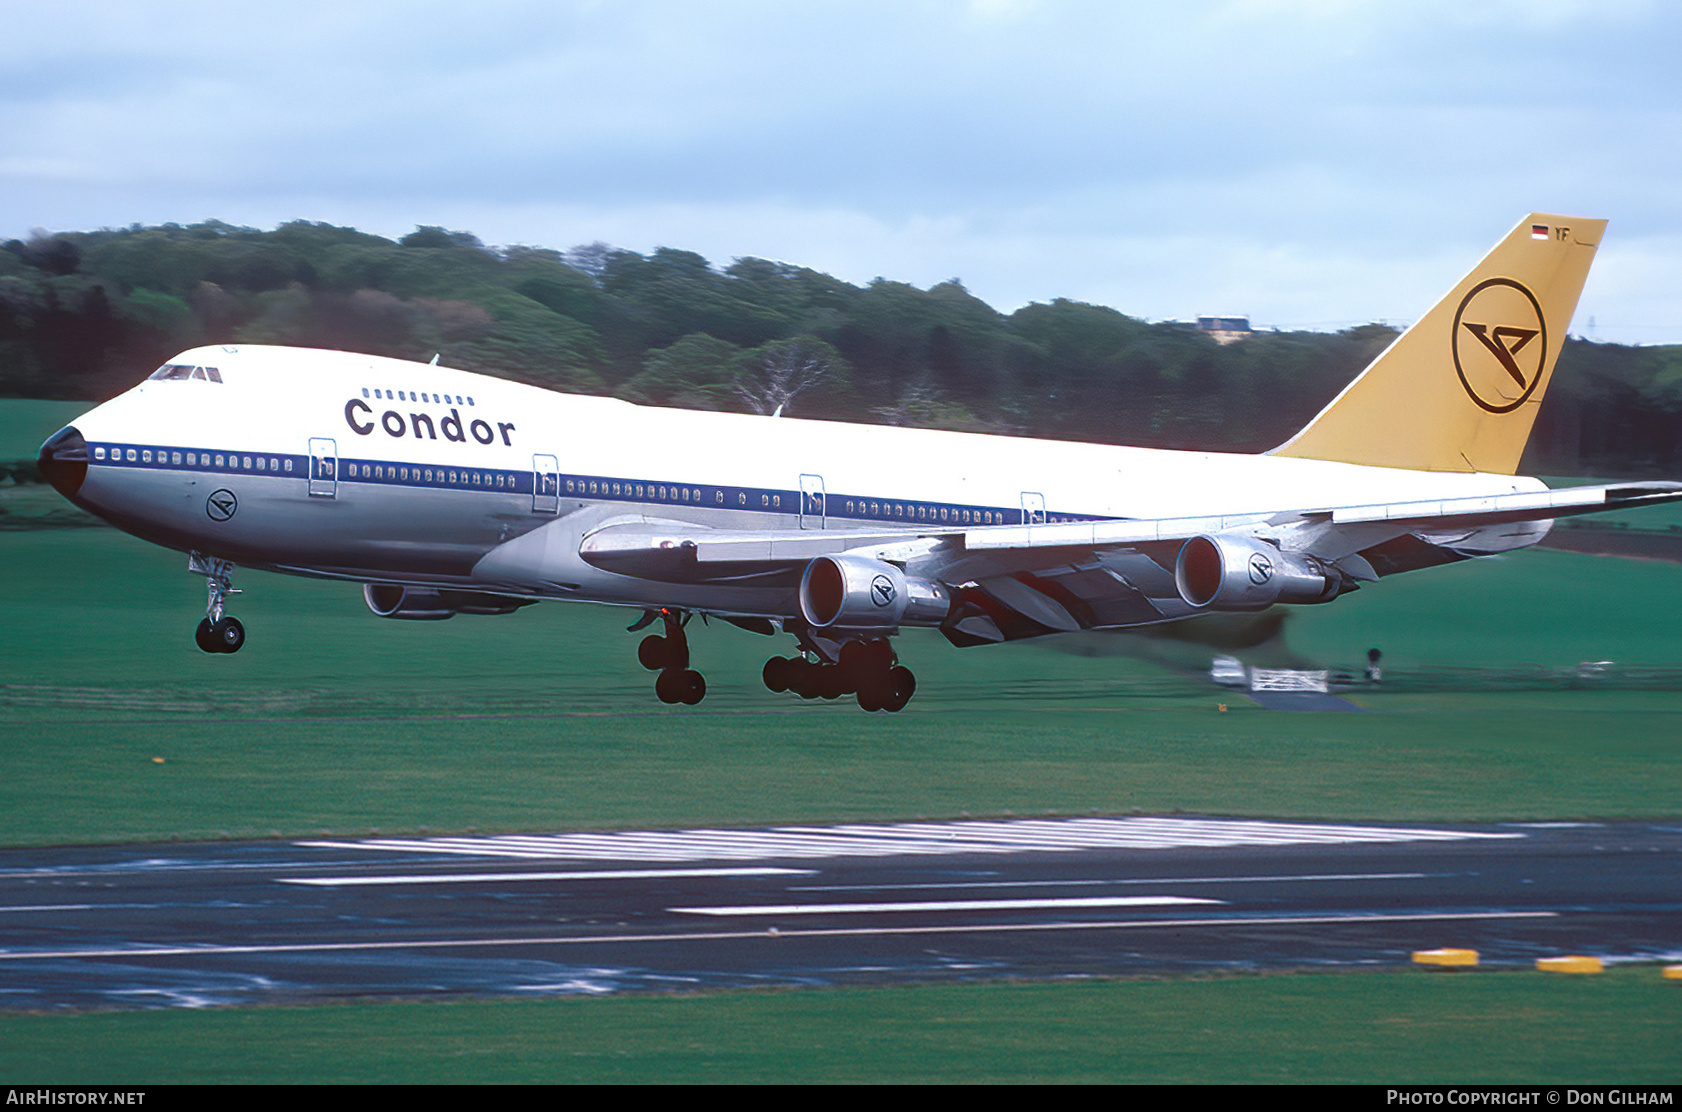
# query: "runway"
{"type": "Point", "coordinates": [524, 915]}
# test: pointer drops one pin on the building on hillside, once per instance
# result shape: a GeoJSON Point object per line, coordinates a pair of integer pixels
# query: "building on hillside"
{"type": "Point", "coordinates": [1226, 330]}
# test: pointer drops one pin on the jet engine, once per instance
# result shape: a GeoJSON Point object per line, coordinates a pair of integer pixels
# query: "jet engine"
{"type": "Point", "coordinates": [857, 593]}
{"type": "Point", "coordinates": [1225, 572]}
{"type": "Point", "coordinates": [424, 604]}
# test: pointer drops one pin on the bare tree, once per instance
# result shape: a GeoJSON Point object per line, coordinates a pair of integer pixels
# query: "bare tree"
{"type": "Point", "coordinates": [779, 372]}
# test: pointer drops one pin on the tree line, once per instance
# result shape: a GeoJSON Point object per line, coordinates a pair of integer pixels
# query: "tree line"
{"type": "Point", "coordinates": [86, 314]}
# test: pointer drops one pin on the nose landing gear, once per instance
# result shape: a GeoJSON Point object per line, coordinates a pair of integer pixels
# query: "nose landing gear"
{"type": "Point", "coordinates": [217, 632]}
{"type": "Point", "coordinates": [669, 655]}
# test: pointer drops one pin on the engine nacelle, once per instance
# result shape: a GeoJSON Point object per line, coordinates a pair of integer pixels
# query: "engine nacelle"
{"type": "Point", "coordinates": [423, 604]}
{"type": "Point", "coordinates": [857, 593]}
{"type": "Point", "coordinates": [1242, 573]}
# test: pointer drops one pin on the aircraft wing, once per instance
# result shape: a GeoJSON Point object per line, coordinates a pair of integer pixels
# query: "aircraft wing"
{"type": "Point", "coordinates": [1015, 581]}
{"type": "Point", "coordinates": [675, 550]}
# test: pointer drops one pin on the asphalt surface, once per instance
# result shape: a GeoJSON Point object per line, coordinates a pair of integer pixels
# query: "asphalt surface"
{"type": "Point", "coordinates": [274, 922]}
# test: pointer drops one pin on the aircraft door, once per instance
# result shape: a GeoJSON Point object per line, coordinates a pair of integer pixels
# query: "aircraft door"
{"type": "Point", "coordinates": [811, 502]}
{"type": "Point", "coordinates": [1033, 508]}
{"type": "Point", "coordinates": [545, 485]}
{"type": "Point", "coordinates": [324, 468]}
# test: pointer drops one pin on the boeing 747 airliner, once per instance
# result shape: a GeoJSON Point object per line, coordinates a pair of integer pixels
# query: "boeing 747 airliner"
{"type": "Point", "coordinates": [444, 492]}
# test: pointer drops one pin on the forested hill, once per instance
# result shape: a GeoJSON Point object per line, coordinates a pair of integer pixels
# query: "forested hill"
{"type": "Point", "coordinates": [87, 314]}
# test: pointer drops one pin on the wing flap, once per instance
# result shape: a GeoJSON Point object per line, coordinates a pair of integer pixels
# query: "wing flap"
{"type": "Point", "coordinates": [1438, 514]}
{"type": "Point", "coordinates": [1538, 505]}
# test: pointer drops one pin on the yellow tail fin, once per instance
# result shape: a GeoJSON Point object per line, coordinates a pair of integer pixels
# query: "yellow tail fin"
{"type": "Point", "coordinates": [1459, 390]}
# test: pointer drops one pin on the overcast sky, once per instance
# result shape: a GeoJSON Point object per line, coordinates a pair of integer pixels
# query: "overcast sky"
{"type": "Point", "coordinates": [1310, 163]}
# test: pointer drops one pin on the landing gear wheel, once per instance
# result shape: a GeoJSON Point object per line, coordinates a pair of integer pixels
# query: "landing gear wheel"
{"type": "Point", "coordinates": [652, 652]}
{"type": "Point", "coordinates": [681, 685]}
{"type": "Point", "coordinates": [776, 673]}
{"type": "Point", "coordinates": [870, 697]}
{"type": "Point", "coordinates": [904, 686]}
{"type": "Point", "coordinates": [229, 635]}
{"type": "Point", "coordinates": [205, 636]}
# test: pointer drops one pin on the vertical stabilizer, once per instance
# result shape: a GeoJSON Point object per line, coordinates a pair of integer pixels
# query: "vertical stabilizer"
{"type": "Point", "coordinates": [1459, 390]}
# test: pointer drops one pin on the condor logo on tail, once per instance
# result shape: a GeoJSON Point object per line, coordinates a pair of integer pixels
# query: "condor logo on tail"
{"type": "Point", "coordinates": [1501, 369]}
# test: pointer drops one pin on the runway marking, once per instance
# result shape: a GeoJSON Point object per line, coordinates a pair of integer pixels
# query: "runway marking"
{"type": "Point", "coordinates": [901, 839]}
{"type": "Point", "coordinates": [52, 907]}
{"type": "Point", "coordinates": [724, 936]}
{"type": "Point", "coordinates": [597, 874]}
{"type": "Point", "coordinates": [945, 905]}
{"type": "Point", "coordinates": [1092, 883]}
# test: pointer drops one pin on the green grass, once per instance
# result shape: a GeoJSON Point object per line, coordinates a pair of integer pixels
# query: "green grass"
{"type": "Point", "coordinates": [113, 726]}
{"type": "Point", "coordinates": [1406, 1027]}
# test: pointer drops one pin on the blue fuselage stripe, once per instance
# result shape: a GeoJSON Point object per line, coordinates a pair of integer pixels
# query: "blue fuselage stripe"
{"type": "Point", "coordinates": [566, 487]}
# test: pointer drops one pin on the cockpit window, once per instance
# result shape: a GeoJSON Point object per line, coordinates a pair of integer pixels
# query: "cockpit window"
{"type": "Point", "coordinates": [184, 371]}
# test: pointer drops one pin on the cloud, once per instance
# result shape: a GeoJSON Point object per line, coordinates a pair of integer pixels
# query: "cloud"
{"type": "Point", "coordinates": [1035, 149]}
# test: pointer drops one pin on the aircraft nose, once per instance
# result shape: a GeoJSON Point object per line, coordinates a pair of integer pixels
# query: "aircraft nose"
{"type": "Point", "coordinates": [64, 461]}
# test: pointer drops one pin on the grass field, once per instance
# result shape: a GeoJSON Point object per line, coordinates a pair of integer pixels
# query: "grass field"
{"type": "Point", "coordinates": [1408, 1027]}
{"type": "Point", "coordinates": [332, 720]}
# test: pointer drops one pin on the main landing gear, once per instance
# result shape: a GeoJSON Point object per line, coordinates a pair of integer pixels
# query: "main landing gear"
{"type": "Point", "coordinates": [868, 670]}
{"type": "Point", "coordinates": [669, 655]}
{"type": "Point", "coordinates": [217, 632]}
{"type": "Point", "coordinates": [826, 669]}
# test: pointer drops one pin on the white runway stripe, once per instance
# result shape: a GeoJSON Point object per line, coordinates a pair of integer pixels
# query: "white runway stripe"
{"type": "Point", "coordinates": [503, 878]}
{"type": "Point", "coordinates": [947, 905]}
{"type": "Point", "coordinates": [904, 839]}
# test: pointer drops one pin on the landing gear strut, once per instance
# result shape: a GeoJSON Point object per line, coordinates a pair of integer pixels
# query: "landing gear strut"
{"type": "Point", "coordinates": [868, 670]}
{"type": "Point", "coordinates": [217, 632]}
{"type": "Point", "coordinates": [669, 655]}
